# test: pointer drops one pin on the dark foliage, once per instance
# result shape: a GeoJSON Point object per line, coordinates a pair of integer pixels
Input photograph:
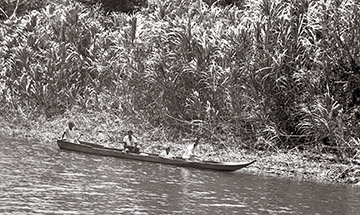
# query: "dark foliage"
{"type": "Point", "coordinates": [126, 6]}
{"type": "Point", "coordinates": [238, 3]}
{"type": "Point", "coordinates": [19, 7]}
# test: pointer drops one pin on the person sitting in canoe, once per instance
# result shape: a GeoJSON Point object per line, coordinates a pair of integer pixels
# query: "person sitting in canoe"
{"type": "Point", "coordinates": [167, 154]}
{"type": "Point", "coordinates": [69, 133]}
{"type": "Point", "coordinates": [189, 152]}
{"type": "Point", "coordinates": [131, 143]}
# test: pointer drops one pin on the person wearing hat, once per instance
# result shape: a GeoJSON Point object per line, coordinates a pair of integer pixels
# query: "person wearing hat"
{"type": "Point", "coordinates": [69, 133]}
{"type": "Point", "coordinates": [131, 143]}
{"type": "Point", "coordinates": [167, 154]}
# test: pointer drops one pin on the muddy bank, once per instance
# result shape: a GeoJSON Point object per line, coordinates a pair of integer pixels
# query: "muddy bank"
{"type": "Point", "coordinates": [108, 129]}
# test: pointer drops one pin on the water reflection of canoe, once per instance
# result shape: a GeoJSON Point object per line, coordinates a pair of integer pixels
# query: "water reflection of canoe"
{"type": "Point", "coordinates": [96, 149]}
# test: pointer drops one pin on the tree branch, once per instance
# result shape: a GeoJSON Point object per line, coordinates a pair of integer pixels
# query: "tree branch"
{"type": "Point", "coordinates": [16, 7]}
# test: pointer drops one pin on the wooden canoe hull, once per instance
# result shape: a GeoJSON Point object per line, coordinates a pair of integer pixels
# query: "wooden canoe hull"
{"type": "Point", "coordinates": [91, 148]}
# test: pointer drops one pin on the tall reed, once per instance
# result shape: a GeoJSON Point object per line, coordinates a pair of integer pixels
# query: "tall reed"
{"type": "Point", "coordinates": [282, 71]}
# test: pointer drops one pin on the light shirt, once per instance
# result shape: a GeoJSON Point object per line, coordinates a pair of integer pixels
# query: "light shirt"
{"type": "Point", "coordinates": [129, 142]}
{"type": "Point", "coordinates": [163, 154]}
{"type": "Point", "coordinates": [189, 151]}
{"type": "Point", "coordinates": [69, 135]}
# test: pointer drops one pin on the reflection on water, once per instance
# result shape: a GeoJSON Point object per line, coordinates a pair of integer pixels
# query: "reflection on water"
{"type": "Point", "coordinates": [38, 178]}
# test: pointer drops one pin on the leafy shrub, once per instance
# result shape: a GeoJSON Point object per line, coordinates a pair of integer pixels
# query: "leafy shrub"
{"type": "Point", "coordinates": [275, 71]}
{"type": "Point", "coordinates": [126, 6]}
{"type": "Point", "coordinates": [19, 7]}
{"type": "Point", "coordinates": [238, 3]}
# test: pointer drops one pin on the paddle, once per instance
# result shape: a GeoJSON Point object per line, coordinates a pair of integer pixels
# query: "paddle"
{"type": "Point", "coordinates": [78, 139]}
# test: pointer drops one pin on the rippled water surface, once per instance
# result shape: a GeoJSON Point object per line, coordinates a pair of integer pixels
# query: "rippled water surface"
{"type": "Point", "coordinates": [38, 178]}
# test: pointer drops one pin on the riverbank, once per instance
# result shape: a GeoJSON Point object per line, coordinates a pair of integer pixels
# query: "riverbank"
{"type": "Point", "coordinates": [109, 128]}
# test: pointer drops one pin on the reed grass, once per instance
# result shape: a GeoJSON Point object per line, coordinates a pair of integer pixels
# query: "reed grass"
{"type": "Point", "coordinates": [266, 74]}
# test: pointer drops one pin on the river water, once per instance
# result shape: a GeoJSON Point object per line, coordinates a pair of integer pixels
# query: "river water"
{"type": "Point", "coordinates": [38, 178]}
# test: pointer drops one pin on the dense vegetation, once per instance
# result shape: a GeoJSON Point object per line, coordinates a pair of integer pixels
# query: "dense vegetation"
{"type": "Point", "coordinates": [264, 74]}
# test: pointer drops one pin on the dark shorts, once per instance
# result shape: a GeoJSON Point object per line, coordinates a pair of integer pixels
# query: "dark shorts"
{"type": "Point", "coordinates": [133, 149]}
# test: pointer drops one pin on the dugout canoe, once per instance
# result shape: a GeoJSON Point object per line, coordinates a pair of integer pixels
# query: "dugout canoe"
{"type": "Point", "coordinates": [96, 149]}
